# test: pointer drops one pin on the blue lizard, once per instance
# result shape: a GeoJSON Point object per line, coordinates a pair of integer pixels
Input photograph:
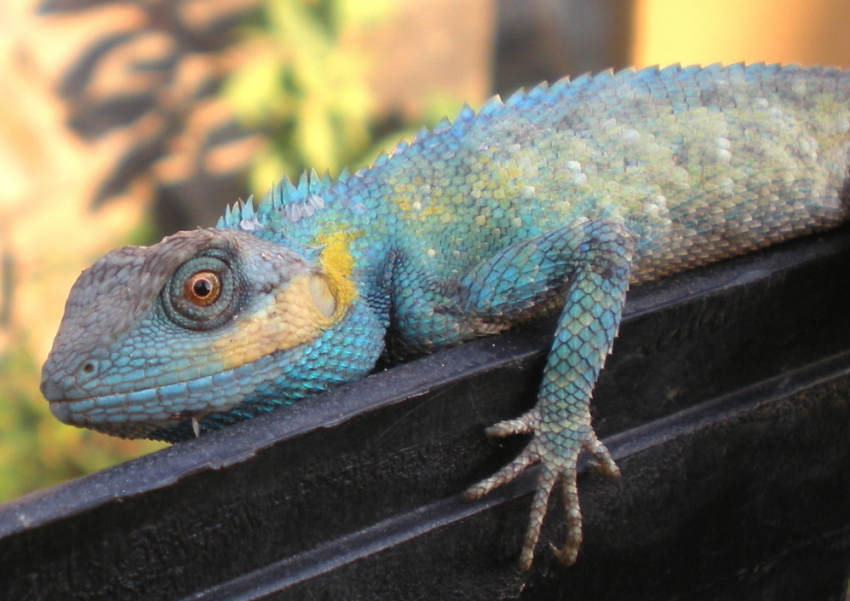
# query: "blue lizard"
{"type": "Point", "coordinates": [551, 202]}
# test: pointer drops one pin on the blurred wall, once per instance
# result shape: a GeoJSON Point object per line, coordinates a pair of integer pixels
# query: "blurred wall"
{"type": "Point", "coordinates": [729, 31]}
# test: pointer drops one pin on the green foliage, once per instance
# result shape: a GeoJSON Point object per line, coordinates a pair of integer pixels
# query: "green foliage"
{"type": "Point", "coordinates": [302, 89]}
{"type": "Point", "coordinates": [308, 92]}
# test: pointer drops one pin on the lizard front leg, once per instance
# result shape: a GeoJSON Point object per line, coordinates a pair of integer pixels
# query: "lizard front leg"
{"type": "Point", "coordinates": [594, 258]}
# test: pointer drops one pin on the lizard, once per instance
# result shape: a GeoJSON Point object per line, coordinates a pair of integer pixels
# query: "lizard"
{"type": "Point", "coordinates": [552, 202]}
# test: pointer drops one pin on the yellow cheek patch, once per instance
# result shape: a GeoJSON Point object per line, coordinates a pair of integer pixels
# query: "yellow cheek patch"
{"type": "Point", "coordinates": [297, 314]}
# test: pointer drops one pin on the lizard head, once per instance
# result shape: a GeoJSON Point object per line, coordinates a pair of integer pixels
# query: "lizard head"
{"type": "Point", "coordinates": [204, 328]}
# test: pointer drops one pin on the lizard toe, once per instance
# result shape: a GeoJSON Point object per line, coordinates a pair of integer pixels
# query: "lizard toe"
{"type": "Point", "coordinates": [527, 424]}
{"type": "Point", "coordinates": [528, 457]}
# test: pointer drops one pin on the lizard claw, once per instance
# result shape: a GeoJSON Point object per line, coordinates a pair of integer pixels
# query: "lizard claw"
{"type": "Point", "coordinates": [558, 466]}
{"type": "Point", "coordinates": [568, 554]}
{"type": "Point", "coordinates": [602, 461]}
{"type": "Point", "coordinates": [545, 483]}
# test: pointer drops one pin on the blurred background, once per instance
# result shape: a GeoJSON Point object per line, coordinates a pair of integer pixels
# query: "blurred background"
{"type": "Point", "coordinates": [125, 120]}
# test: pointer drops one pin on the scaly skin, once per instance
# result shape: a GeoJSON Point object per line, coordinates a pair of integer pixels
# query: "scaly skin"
{"type": "Point", "coordinates": [554, 201]}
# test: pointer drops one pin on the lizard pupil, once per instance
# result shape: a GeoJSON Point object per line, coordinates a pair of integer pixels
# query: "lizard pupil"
{"type": "Point", "coordinates": [202, 288]}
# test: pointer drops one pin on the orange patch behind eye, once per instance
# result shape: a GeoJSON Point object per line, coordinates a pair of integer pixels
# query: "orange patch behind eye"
{"type": "Point", "coordinates": [297, 314]}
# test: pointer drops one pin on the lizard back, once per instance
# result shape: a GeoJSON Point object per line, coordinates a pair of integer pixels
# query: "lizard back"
{"type": "Point", "coordinates": [699, 163]}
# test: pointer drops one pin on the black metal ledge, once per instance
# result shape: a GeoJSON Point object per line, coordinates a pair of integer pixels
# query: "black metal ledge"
{"type": "Point", "coordinates": [726, 403]}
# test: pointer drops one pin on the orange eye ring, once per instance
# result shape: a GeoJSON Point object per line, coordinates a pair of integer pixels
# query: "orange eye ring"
{"type": "Point", "coordinates": [202, 288]}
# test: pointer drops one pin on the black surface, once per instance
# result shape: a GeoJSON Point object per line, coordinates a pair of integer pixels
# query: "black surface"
{"type": "Point", "coordinates": [725, 403]}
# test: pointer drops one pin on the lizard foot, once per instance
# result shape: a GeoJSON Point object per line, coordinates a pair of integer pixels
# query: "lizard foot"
{"type": "Point", "coordinates": [558, 465]}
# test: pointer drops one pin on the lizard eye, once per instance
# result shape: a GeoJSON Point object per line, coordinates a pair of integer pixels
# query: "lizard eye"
{"type": "Point", "coordinates": [202, 288]}
{"type": "Point", "coordinates": [202, 294]}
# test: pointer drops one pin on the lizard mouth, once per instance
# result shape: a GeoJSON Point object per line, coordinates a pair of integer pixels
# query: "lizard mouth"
{"type": "Point", "coordinates": [84, 414]}
{"type": "Point", "coordinates": [166, 412]}
{"type": "Point", "coordinates": [138, 412]}
{"type": "Point", "coordinates": [60, 411]}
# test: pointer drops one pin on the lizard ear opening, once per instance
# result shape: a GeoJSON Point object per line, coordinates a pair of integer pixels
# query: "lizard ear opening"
{"type": "Point", "coordinates": [322, 295]}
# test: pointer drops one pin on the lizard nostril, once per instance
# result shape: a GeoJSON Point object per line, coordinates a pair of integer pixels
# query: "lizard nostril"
{"type": "Point", "coordinates": [89, 367]}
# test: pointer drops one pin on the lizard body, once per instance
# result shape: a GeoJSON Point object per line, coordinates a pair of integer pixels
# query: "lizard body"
{"type": "Point", "coordinates": [551, 202]}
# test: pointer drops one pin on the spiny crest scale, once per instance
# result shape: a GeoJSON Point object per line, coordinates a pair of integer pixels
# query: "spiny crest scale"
{"type": "Point", "coordinates": [242, 215]}
{"type": "Point", "coordinates": [442, 125]}
{"type": "Point", "coordinates": [539, 90]}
